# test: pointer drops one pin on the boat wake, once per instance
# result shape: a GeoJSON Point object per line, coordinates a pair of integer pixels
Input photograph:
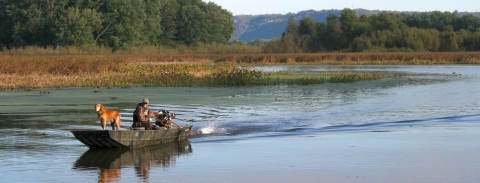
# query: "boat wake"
{"type": "Point", "coordinates": [212, 129]}
{"type": "Point", "coordinates": [288, 127]}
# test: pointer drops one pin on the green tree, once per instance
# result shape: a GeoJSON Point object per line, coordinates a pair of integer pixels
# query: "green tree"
{"type": "Point", "coordinates": [219, 24]}
{"type": "Point", "coordinates": [307, 31]}
{"type": "Point", "coordinates": [190, 30]}
{"type": "Point", "coordinates": [228, 26]}
{"type": "Point", "coordinates": [430, 39]}
{"type": "Point", "coordinates": [123, 23]}
{"type": "Point", "coordinates": [292, 26]}
{"type": "Point", "coordinates": [468, 22]}
{"type": "Point", "coordinates": [320, 40]}
{"type": "Point", "coordinates": [387, 22]}
{"type": "Point", "coordinates": [6, 24]}
{"type": "Point", "coordinates": [349, 22]}
{"type": "Point", "coordinates": [284, 45]}
{"type": "Point", "coordinates": [431, 31]}
{"type": "Point", "coordinates": [449, 40]}
{"type": "Point", "coordinates": [77, 28]}
{"type": "Point", "coordinates": [360, 44]}
{"type": "Point", "coordinates": [336, 39]}
{"type": "Point", "coordinates": [30, 22]}
{"type": "Point", "coordinates": [168, 23]}
{"type": "Point", "coordinates": [307, 27]}
{"type": "Point", "coordinates": [152, 23]}
{"type": "Point", "coordinates": [472, 41]}
{"type": "Point", "coordinates": [114, 23]}
{"type": "Point", "coordinates": [198, 22]}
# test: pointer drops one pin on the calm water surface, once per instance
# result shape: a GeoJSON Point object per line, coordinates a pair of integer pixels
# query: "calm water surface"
{"type": "Point", "coordinates": [36, 145]}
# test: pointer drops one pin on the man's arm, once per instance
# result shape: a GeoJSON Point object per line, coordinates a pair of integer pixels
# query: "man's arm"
{"type": "Point", "coordinates": [153, 114]}
{"type": "Point", "coordinates": [143, 114]}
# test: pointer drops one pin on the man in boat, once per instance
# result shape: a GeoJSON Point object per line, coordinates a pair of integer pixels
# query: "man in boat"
{"type": "Point", "coordinates": [142, 115]}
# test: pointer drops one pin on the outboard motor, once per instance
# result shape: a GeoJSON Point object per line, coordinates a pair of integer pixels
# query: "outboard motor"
{"type": "Point", "coordinates": [164, 118]}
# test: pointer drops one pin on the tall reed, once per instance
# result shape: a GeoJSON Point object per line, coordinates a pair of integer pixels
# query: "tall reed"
{"type": "Point", "coordinates": [42, 70]}
{"type": "Point", "coordinates": [113, 71]}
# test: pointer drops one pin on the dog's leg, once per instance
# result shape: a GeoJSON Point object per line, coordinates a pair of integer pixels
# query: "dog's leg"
{"type": "Point", "coordinates": [104, 124]}
{"type": "Point", "coordinates": [113, 124]}
{"type": "Point", "coordinates": [118, 122]}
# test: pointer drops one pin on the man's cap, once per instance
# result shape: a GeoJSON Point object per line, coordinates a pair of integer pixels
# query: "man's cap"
{"type": "Point", "coordinates": [145, 100]}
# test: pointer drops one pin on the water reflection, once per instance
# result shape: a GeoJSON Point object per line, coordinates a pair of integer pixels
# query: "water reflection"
{"type": "Point", "coordinates": [110, 162]}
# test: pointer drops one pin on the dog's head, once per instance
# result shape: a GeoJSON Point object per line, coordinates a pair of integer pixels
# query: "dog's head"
{"type": "Point", "coordinates": [98, 107]}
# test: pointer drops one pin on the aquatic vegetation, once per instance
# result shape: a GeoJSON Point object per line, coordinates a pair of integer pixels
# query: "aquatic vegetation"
{"type": "Point", "coordinates": [364, 58]}
{"type": "Point", "coordinates": [31, 72]}
{"type": "Point", "coordinates": [342, 77]}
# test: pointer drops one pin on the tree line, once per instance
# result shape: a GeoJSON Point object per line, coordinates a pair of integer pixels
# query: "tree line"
{"type": "Point", "coordinates": [116, 24]}
{"type": "Point", "coordinates": [421, 31]}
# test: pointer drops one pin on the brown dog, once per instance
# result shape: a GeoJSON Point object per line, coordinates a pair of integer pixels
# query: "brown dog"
{"type": "Point", "coordinates": [108, 115]}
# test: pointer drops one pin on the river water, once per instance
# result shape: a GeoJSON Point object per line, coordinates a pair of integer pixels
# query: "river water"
{"type": "Point", "coordinates": [36, 144]}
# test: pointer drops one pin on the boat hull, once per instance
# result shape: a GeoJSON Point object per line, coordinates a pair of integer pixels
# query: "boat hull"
{"type": "Point", "coordinates": [116, 158]}
{"type": "Point", "coordinates": [130, 138]}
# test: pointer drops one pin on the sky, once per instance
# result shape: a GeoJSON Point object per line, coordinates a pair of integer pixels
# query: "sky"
{"type": "Point", "coordinates": [258, 7]}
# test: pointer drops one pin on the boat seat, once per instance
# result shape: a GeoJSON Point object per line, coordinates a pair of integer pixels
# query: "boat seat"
{"type": "Point", "coordinates": [138, 128]}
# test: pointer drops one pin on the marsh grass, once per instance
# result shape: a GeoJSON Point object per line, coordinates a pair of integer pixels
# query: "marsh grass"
{"type": "Point", "coordinates": [199, 49]}
{"type": "Point", "coordinates": [308, 78]}
{"type": "Point", "coordinates": [130, 70]}
{"type": "Point", "coordinates": [368, 58]}
{"type": "Point", "coordinates": [42, 72]}
{"type": "Point", "coordinates": [249, 54]}
{"type": "Point", "coordinates": [343, 77]}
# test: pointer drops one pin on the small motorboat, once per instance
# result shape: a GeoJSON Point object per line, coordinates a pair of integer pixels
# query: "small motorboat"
{"type": "Point", "coordinates": [131, 138]}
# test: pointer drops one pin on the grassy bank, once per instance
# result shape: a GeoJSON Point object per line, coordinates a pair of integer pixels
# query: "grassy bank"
{"type": "Point", "coordinates": [243, 54]}
{"type": "Point", "coordinates": [37, 68]}
{"type": "Point", "coordinates": [115, 70]}
{"type": "Point", "coordinates": [382, 58]}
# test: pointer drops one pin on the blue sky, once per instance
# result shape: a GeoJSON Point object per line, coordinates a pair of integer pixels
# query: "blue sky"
{"type": "Point", "coordinates": [256, 7]}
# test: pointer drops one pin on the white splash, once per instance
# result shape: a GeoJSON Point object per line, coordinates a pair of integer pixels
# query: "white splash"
{"type": "Point", "coordinates": [210, 129]}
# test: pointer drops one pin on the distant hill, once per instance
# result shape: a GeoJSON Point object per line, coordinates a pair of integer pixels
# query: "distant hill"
{"type": "Point", "coordinates": [269, 26]}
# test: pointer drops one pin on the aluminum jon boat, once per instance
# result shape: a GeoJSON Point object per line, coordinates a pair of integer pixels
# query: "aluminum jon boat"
{"type": "Point", "coordinates": [130, 138]}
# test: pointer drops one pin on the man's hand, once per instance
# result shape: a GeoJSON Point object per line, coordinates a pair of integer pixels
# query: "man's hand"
{"type": "Point", "coordinates": [153, 114]}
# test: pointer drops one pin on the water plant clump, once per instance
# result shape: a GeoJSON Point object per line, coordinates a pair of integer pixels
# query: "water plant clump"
{"type": "Point", "coordinates": [345, 77]}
